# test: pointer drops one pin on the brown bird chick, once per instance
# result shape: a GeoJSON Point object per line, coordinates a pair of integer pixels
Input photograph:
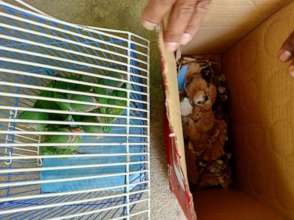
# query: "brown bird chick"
{"type": "Point", "coordinates": [192, 134]}
{"type": "Point", "coordinates": [191, 159]}
{"type": "Point", "coordinates": [201, 96]}
{"type": "Point", "coordinates": [190, 130]}
{"type": "Point", "coordinates": [199, 92]}
{"type": "Point", "coordinates": [203, 118]}
{"type": "Point", "coordinates": [216, 141]}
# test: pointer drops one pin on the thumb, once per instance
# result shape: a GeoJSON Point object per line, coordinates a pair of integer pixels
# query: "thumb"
{"type": "Point", "coordinates": [287, 51]}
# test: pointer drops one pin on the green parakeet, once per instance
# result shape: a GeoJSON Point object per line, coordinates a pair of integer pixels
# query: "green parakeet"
{"type": "Point", "coordinates": [27, 115]}
{"type": "Point", "coordinates": [76, 107]}
{"type": "Point", "coordinates": [63, 105]}
{"type": "Point", "coordinates": [113, 111]}
{"type": "Point", "coordinates": [105, 120]}
{"type": "Point", "coordinates": [94, 107]}
{"type": "Point", "coordinates": [91, 128]}
{"type": "Point", "coordinates": [100, 91]}
{"type": "Point", "coordinates": [82, 107]}
{"type": "Point", "coordinates": [59, 150]}
{"type": "Point", "coordinates": [43, 104]}
{"type": "Point", "coordinates": [113, 83]}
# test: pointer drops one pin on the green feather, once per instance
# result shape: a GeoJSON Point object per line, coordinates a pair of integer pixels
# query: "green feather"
{"type": "Point", "coordinates": [62, 105]}
{"type": "Point", "coordinates": [91, 128]}
{"type": "Point", "coordinates": [42, 116]}
{"type": "Point", "coordinates": [61, 139]}
{"type": "Point", "coordinates": [100, 91]}
{"type": "Point", "coordinates": [83, 107]}
{"type": "Point", "coordinates": [97, 129]}
{"type": "Point", "coordinates": [43, 104]}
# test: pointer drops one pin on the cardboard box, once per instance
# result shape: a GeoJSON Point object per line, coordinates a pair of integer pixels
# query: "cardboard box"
{"type": "Point", "coordinates": [262, 116]}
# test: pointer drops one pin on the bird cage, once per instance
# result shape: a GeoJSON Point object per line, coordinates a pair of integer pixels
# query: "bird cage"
{"type": "Point", "coordinates": [74, 119]}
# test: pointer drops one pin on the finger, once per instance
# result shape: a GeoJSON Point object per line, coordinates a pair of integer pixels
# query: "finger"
{"type": "Point", "coordinates": [287, 51]}
{"type": "Point", "coordinates": [291, 68]}
{"type": "Point", "coordinates": [181, 15]}
{"type": "Point", "coordinates": [193, 26]}
{"type": "Point", "coordinates": [154, 12]}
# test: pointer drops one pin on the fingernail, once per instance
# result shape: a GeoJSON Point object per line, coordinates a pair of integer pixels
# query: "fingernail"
{"type": "Point", "coordinates": [186, 37]}
{"type": "Point", "coordinates": [171, 46]}
{"type": "Point", "coordinates": [285, 56]}
{"type": "Point", "coordinates": [149, 25]}
{"type": "Point", "coordinates": [291, 69]}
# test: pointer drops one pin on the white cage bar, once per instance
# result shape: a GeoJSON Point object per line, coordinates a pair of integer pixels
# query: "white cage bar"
{"type": "Point", "coordinates": [74, 119]}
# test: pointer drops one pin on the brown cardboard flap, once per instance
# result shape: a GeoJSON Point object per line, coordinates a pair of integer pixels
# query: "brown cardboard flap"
{"type": "Point", "coordinates": [172, 102]}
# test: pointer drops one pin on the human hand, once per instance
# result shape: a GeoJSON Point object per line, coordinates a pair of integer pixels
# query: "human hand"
{"type": "Point", "coordinates": [184, 21]}
{"type": "Point", "coordinates": [286, 53]}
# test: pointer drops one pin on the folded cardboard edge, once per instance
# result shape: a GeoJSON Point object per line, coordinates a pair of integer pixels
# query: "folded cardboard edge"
{"type": "Point", "coordinates": [172, 101]}
{"type": "Point", "coordinates": [173, 132]}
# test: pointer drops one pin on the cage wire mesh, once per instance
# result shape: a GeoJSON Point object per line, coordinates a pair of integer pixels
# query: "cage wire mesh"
{"type": "Point", "coordinates": [74, 119]}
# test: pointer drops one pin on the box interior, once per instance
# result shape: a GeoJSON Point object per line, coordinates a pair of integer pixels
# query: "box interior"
{"type": "Point", "coordinates": [228, 21]}
{"type": "Point", "coordinates": [261, 100]}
